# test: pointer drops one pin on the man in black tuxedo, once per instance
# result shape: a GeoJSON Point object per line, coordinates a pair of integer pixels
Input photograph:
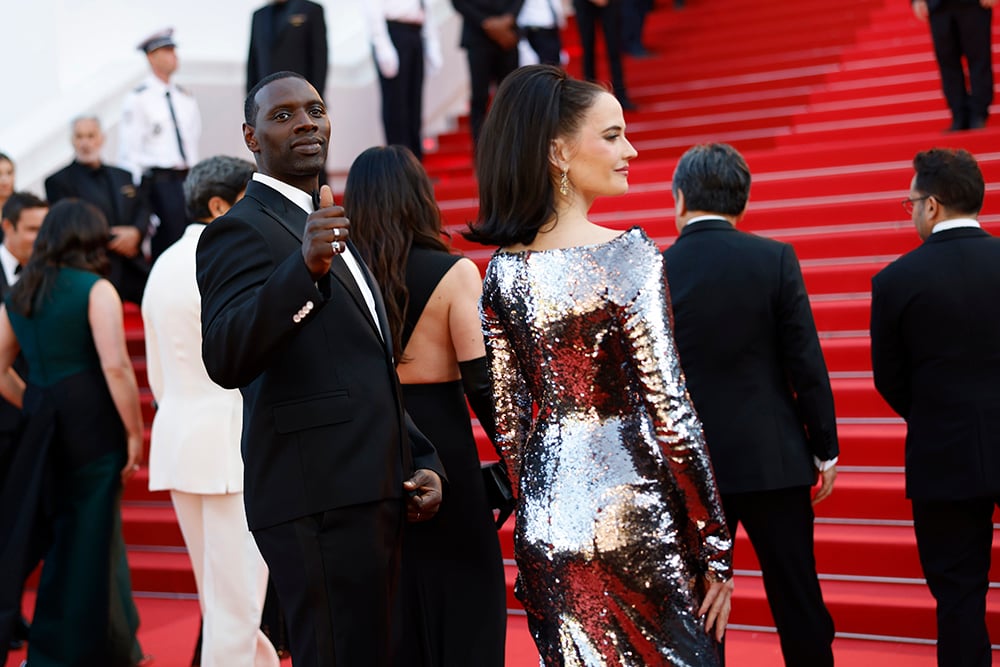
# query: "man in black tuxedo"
{"type": "Point", "coordinates": [935, 329]}
{"type": "Point", "coordinates": [111, 190]}
{"type": "Point", "coordinates": [749, 349]}
{"type": "Point", "coordinates": [22, 217]}
{"type": "Point", "coordinates": [294, 319]}
{"type": "Point", "coordinates": [489, 37]}
{"type": "Point", "coordinates": [962, 28]}
{"type": "Point", "coordinates": [288, 35]}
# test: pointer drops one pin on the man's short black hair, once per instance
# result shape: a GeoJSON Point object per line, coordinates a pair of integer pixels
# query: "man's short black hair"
{"type": "Point", "coordinates": [714, 178]}
{"type": "Point", "coordinates": [19, 201]}
{"type": "Point", "coordinates": [953, 177]}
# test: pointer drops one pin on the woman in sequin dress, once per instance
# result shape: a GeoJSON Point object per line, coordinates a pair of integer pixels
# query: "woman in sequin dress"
{"type": "Point", "coordinates": [622, 550]}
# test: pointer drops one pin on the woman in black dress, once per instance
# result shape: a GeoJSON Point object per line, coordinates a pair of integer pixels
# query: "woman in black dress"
{"type": "Point", "coordinates": [453, 579]}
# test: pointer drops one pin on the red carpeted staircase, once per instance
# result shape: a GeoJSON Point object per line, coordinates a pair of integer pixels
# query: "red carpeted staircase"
{"type": "Point", "coordinates": [828, 103]}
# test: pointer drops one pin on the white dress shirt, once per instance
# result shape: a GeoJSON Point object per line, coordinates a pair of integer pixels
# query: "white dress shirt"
{"type": "Point", "coordinates": [416, 12]}
{"type": "Point", "coordinates": [956, 223]}
{"type": "Point", "coordinates": [10, 265]}
{"type": "Point", "coordinates": [542, 14]}
{"type": "Point", "coordinates": [304, 201]}
{"type": "Point", "coordinates": [147, 137]}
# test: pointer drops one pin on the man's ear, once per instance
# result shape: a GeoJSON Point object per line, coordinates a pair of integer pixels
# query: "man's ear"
{"type": "Point", "coordinates": [680, 205]}
{"type": "Point", "coordinates": [250, 138]}
{"type": "Point", "coordinates": [218, 206]}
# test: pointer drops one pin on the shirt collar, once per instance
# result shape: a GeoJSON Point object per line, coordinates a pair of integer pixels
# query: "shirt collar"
{"type": "Point", "coordinates": [300, 198]}
{"type": "Point", "coordinates": [700, 218]}
{"type": "Point", "coordinates": [9, 263]}
{"type": "Point", "coordinates": [155, 82]}
{"type": "Point", "coordinates": [956, 223]}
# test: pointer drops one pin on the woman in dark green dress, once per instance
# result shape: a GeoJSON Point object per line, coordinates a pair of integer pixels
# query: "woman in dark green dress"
{"type": "Point", "coordinates": [82, 405]}
{"type": "Point", "coordinates": [453, 578]}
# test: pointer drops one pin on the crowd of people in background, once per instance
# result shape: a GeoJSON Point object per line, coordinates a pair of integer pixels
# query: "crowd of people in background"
{"type": "Point", "coordinates": [312, 367]}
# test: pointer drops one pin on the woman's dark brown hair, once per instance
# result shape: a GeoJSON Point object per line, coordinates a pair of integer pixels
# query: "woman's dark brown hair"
{"type": "Point", "coordinates": [390, 201]}
{"type": "Point", "coordinates": [73, 234]}
{"type": "Point", "coordinates": [533, 106]}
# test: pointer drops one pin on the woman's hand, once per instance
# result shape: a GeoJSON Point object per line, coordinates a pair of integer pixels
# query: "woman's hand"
{"type": "Point", "coordinates": [134, 458]}
{"type": "Point", "coordinates": [716, 606]}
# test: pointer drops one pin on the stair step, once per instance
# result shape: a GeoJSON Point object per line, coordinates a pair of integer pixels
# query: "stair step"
{"type": "Point", "coordinates": [829, 110]}
{"type": "Point", "coordinates": [151, 524]}
{"type": "Point", "coordinates": [891, 609]}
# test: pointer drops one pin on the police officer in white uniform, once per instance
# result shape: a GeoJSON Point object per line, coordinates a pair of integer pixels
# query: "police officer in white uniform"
{"type": "Point", "coordinates": [160, 130]}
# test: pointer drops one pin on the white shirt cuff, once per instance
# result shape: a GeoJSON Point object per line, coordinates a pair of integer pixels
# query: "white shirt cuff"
{"type": "Point", "coordinates": [823, 466]}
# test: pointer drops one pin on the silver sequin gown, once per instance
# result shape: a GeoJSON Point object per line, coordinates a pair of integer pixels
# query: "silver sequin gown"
{"type": "Point", "coordinates": [619, 518]}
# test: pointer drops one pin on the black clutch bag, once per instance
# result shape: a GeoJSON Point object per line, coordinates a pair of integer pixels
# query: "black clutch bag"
{"type": "Point", "coordinates": [499, 492]}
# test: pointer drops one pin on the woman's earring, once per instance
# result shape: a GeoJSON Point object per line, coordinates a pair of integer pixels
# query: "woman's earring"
{"type": "Point", "coordinates": [564, 184]}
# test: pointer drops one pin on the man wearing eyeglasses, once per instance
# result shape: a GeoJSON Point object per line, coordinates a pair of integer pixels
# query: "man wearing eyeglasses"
{"type": "Point", "coordinates": [935, 330]}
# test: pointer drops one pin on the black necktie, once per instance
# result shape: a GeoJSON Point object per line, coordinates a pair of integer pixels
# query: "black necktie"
{"type": "Point", "coordinates": [177, 130]}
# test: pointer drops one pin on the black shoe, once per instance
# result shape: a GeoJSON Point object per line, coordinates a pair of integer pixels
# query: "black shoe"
{"type": "Point", "coordinates": [678, 4]}
{"type": "Point", "coordinates": [19, 633]}
{"type": "Point", "coordinates": [977, 122]}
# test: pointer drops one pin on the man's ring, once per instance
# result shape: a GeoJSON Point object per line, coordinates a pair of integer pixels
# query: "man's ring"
{"type": "Point", "coordinates": [336, 233]}
{"type": "Point", "coordinates": [418, 515]}
{"type": "Point", "coordinates": [336, 247]}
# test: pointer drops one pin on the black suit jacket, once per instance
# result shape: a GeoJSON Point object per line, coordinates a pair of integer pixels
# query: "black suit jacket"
{"type": "Point", "coordinates": [323, 422]}
{"type": "Point", "coordinates": [474, 12]}
{"type": "Point", "coordinates": [111, 190]}
{"type": "Point", "coordinates": [935, 328]}
{"type": "Point", "coordinates": [749, 349]}
{"type": "Point", "coordinates": [299, 45]}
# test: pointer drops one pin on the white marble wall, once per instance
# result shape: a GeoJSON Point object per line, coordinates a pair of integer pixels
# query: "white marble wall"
{"type": "Point", "coordinates": [63, 58]}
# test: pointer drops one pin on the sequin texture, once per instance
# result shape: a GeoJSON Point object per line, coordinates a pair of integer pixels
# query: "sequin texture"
{"type": "Point", "coordinates": [619, 520]}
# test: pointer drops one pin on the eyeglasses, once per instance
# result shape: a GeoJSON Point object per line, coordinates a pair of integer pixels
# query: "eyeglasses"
{"type": "Point", "coordinates": [908, 203]}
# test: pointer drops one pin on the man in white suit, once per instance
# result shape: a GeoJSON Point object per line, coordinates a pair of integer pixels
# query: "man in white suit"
{"type": "Point", "coordinates": [195, 448]}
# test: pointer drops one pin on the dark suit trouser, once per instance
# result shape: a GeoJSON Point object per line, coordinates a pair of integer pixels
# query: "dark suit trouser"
{"type": "Point", "coordinates": [964, 30]}
{"type": "Point", "coordinates": [403, 95]}
{"type": "Point", "coordinates": [546, 43]}
{"type": "Point", "coordinates": [166, 199]}
{"type": "Point", "coordinates": [779, 524]}
{"type": "Point", "coordinates": [633, 19]}
{"type": "Point", "coordinates": [488, 63]}
{"type": "Point", "coordinates": [337, 577]}
{"type": "Point", "coordinates": [610, 17]}
{"type": "Point", "coordinates": [954, 540]}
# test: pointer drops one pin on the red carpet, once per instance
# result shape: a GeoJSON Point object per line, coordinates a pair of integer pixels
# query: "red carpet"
{"type": "Point", "coordinates": [169, 628]}
{"type": "Point", "coordinates": [829, 108]}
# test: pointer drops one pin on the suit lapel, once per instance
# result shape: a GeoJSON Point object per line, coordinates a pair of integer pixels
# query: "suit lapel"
{"type": "Point", "coordinates": [339, 269]}
{"type": "Point", "coordinates": [293, 220]}
{"type": "Point", "coordinates": [383, 317]}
